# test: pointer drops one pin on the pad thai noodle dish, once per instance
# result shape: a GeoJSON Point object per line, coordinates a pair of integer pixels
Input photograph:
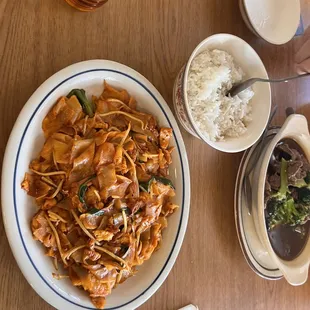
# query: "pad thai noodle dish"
{"type": "Point", "coordinates": [101, 184]}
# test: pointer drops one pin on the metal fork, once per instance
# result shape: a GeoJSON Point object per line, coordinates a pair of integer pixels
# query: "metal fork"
{"type": "Point", "coordinates": [246, 84]}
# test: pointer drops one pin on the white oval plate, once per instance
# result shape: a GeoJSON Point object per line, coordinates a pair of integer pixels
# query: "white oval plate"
{"type": "Point", "coordinates": [18, 208]}
{"type": "Point", "coordinates": [276, 21]}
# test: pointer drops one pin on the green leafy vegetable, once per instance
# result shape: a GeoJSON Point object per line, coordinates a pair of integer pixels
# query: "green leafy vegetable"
{"type": "Point", "coordinates": [304, 195]}
{"type": "Point", "coordinates": [87, 105]}
{"type": "Point", "coordinates": [145, 186]}
{"type": "Point", "coordinates": [95, 211]}
{"type": "Point", "coordinates": [282, 209]}
{"type": "Point", "coordinates": [307, 178]}
{"type": "Point", "coordinates": [83, 188]}
{"type": "Point", "coordinates": [82, 191]}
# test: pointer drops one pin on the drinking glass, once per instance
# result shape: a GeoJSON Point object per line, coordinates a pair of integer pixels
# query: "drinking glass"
{"type": "Point", "coordinates": [86, 5]}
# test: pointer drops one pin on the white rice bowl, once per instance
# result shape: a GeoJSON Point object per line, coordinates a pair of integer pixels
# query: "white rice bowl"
{"type": "Point", "coordinates": [211, 74]}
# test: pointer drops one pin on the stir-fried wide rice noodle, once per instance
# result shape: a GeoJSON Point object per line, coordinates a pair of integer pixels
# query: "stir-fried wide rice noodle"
{"type": "Point", "coordinates": [99, 182]}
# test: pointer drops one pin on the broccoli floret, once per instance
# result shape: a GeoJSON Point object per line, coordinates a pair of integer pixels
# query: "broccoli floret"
{"type": "Point", "coordinates": [307, 178]}
{"type": "Point", "coordinates": [304, 191]}
{"type": "Point", "coordinates": [282, 209]}
{"type": "Point", "coordinates": [283, 190]}
{"type": "Point", "coordinates": [304, 195]}
{"type": "Point", "coordinates": [274, 213]}
{"type": "Point", "coordinates": [303, 214]}
{"type": "Point", "coordinates": [281, 212]}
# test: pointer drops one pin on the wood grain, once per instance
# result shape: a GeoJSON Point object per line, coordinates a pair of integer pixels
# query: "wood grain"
{"type": "Point", "coordinates": [156, 37]}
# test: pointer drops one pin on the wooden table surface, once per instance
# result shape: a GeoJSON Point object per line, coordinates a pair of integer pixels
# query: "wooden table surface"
{"type": "Point", "coordinates": [155, 37]}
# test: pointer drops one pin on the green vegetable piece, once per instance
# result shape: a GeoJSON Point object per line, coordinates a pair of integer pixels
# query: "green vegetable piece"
{"type": "Point", "coordinates": [284, 183]}
{"type": "Point", "coordinates": [307, 178]}
{"type": "Point", "coordinates": [87, 106]}
{"type": "Point", "coordinates": [281, 212]}
{"type": "Point", "coordinates": [164, 181]}
{"type": "Point", "coordinates": [82, 191]}
{"type": "Point", "coordinates": [83, 188]}
{"type": "Point", "coordinates": [95, 211]}
{"type": "Point", "coordinates": [282, 209]}
{"type": "Point", "coordinates": [304, 195]}
{"type": "Point", "coordinates": [145, 186]}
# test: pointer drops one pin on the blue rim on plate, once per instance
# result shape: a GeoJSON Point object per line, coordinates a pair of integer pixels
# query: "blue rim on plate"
{"type": "Point", "coordinates": [14, 186]}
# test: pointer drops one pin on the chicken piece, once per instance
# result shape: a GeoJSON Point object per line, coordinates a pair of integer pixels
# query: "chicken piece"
{"type": "Point", "coordinates": [103, 235]}
{"type": "Point", "coordinates": [169, 208]}
{"type": "Point", "coordinates": [92, 197]}
{"type": "Point", "coordinates": [90, 255]}
{"type": "Point", "coordinates": [159, 189]}
{"type": "Point", "coordinates": [134, 205]}
{"type": "Point", "coordinates": [115, 221]}
{"type": "Point", "coordinates": [141, 173]}
{"type": "Point", "coordinates": [167, 155]}
{"type": "Point", "coordinates": [90, 221]}
{"type": "Point", "coordinates": [123, 167]}
{"type": "Point", "coordinates": [165, 135]}
{"type": "Point", "coordinates": [162, 220]}
{"type": "Point", "coordinates": [151, 166]}
{"type": "Point", "coordinates": [129, 146]}
{"type": "Point", "coordinates": [49, 204]}
{"type": "Point", "coordinates": [118, 156]}
{"type": "Point", "coordinates": [98, 302]}
{"type": "Point", "coordinates": [162, 160]}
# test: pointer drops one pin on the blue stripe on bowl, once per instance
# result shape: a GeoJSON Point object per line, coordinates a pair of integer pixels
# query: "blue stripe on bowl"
{"type": "Point", "coordinates": [14, 187]}
{"type": "Point", "coordinates": [300, 31]}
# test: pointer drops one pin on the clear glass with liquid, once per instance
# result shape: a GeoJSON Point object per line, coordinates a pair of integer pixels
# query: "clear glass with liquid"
{"type": "Point", "coordinates": [86, 5]}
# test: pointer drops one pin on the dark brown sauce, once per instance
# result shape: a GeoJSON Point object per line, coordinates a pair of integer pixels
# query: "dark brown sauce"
{"type": "Point", "coordinates": [287, 241]}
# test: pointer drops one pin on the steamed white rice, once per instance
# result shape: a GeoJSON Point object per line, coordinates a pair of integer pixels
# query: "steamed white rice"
{"type": "Point", "coordinates": [211, 75]}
